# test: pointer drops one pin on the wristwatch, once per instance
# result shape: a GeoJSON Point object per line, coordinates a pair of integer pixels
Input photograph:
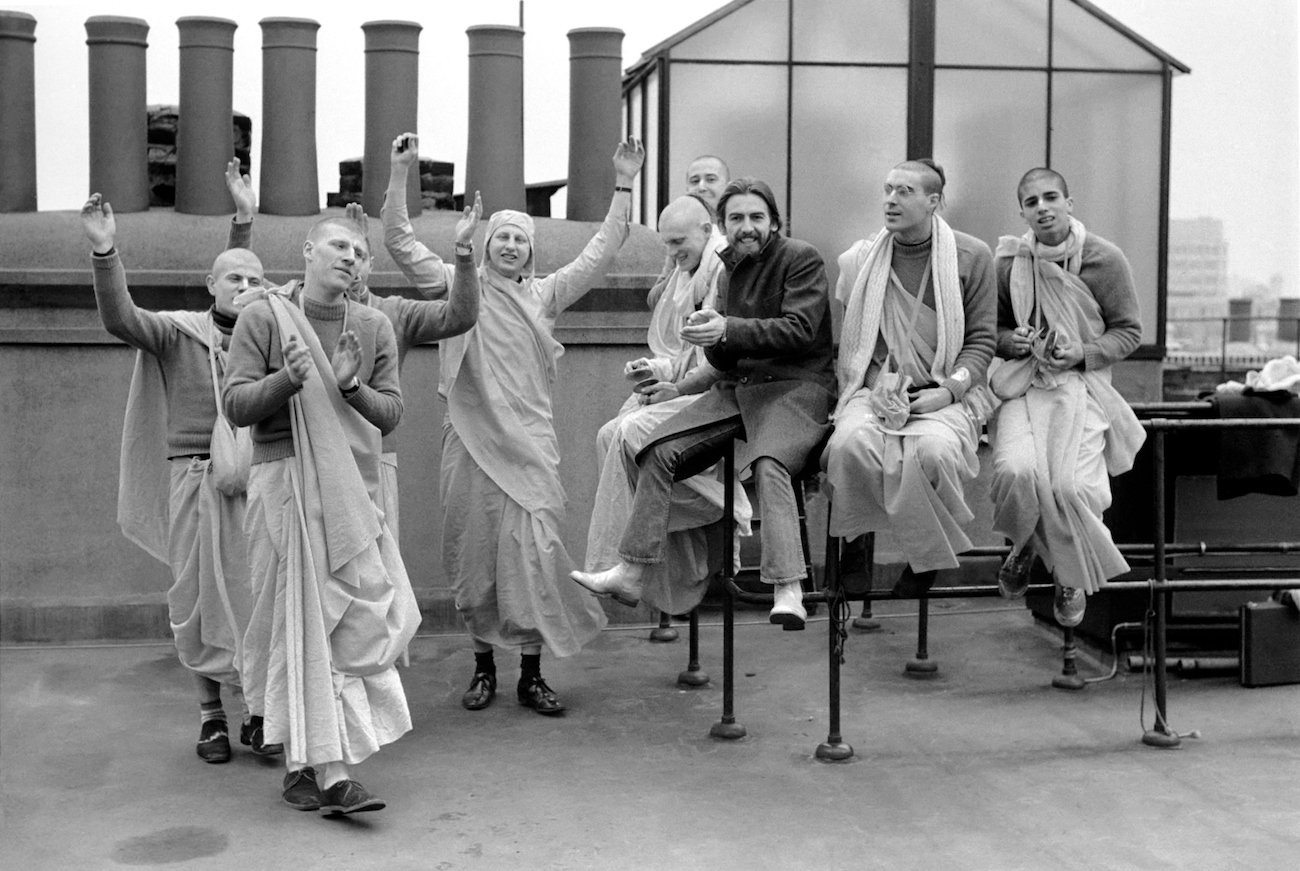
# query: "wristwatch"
{"type": "Point", "coordinates": [351, 387]}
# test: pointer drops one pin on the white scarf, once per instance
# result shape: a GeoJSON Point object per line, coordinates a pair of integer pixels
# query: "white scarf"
{"type": "Point", "coordinates": [684, 294]}
{"type": "Point", "coordinates": [1027, 250]}
{"type": "Point", "coordinates": [864, 299]}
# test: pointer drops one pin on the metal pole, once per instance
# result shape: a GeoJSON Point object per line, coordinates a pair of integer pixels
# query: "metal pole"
{"type": "Point", "coordinates": [727, 727]}
{"type": "Point", "coordinates": [1160, 736]}
{"type": "Point", "coordinates": [693, 677]}
{"type": "Point", "coordinates": [922, 666]}
{"type": "Point", "coordinates": [833, 749]}
{"type": "Point", "coordinates": [664, 632]}
{"type": "Point", "coordinates": [1069, 678]}
{"type": "Point", "coordinates": [867, 622]}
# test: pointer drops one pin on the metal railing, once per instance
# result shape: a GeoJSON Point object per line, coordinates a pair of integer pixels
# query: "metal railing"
{"type": "Point", "coordinates": [1160, 422]}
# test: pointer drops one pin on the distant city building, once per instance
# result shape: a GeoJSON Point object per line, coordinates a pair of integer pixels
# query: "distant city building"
{"type": "Point", "coordinates": [1198, 281]}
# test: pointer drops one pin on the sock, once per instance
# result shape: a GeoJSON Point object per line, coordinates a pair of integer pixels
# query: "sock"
{"type": "Point", "coordinates": [211, 711]}
{"type": "Point", "coordinates": [530, 666]}
{"type": "Point", "coordinates": [484, 662]}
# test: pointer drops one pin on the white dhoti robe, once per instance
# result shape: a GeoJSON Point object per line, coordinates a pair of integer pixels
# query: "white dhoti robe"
{"type": "Point", "coordinates": [1051, 485]}
{"type": "Point", "coordinates": [678, 583]}
{"type": "Point", "coordinates": [334, 607]}
{"type": "Point", "coordinates": [209, 601]}
{"type": "Point", "coordinates": [910, 480]}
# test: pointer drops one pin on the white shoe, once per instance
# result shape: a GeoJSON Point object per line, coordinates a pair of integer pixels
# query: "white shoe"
{"type": "Point", "coordinates": [787, 606]}
{"type": "Point", "coordinates": [621, 583]}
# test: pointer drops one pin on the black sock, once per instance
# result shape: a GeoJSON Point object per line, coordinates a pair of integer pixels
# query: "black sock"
{"type": "Point", "coordinates": [530, 666]}
{"type": "Point", "coordinates": [484, 663]}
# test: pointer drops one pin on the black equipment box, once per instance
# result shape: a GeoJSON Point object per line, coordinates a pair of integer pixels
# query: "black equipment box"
{"type": "Point", "coordinates": [1270, 644]}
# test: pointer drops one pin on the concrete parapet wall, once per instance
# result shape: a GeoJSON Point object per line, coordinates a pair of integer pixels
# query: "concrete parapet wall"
{"type": "Point", "coordinates": [66, 572]}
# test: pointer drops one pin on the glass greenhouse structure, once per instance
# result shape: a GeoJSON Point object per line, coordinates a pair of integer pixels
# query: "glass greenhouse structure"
{"type": "Point", "coordinates": [821, 97]}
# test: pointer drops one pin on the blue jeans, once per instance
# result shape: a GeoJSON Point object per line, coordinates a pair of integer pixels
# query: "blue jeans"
{"type": "Point", "coordinates": [688, 454]}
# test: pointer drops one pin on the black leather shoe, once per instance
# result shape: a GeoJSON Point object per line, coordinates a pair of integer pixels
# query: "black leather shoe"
{"type": "Point", "coordinates": [535, 694]}
{"type": "Point", "coordinates": [214, 742]}
{"type": "Point", "coordinates": [251, 734]}
{"type": "Point", "coordinates": [300, 789]}
{"type": "Point", "coordinates": [913, 585]}
{"type": "Point", "coordinates": [481, 691]}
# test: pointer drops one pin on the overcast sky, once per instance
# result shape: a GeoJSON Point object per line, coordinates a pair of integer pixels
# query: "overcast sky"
{"type": "Point", "coordinates": [1236, 138]}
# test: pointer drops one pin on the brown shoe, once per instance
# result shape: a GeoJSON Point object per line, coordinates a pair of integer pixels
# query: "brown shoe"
{"type": "Point", "coordinates": [300, 790]}
{"type": "Point", "coordinates": [348, 797]}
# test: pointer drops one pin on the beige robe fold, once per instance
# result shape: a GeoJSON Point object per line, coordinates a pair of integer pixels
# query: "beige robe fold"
{"type": "Point", "coordinates": [678, 583]}
{"type": "Point", "coordinates": [173, 511]}
{"type": "Point", "coordinates": [1056, 446]}
{"type": "Point", "coordinates": [334, 607]}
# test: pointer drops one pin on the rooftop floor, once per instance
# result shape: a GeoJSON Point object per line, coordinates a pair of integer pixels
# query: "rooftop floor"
{"type": "Point", "coordinates": [983, 766]}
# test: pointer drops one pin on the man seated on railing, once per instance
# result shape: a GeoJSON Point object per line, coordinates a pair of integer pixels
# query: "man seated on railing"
{"type": "Point", "coordinates": [1067, 312]}
{"type": "Point", "coordinates": [918, 336]}
{"type": "Point", "coordinates": [770, 337]}
{"type": "Point", "coordinates": [675, 375]}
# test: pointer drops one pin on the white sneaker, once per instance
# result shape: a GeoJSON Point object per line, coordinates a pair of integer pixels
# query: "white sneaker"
{"type": "Point", "coordinates": [787, 606]}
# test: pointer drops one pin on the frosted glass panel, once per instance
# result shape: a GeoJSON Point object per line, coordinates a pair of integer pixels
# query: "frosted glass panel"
{"type": "Point", "coordinates": [736, 112]}
{"type": "Point", "coordinates": [759, 31]}
{"type": "Point", "coordinates": [1083, 40]}
{"type": "Point", "coordinates": [865, 31]}
{"type": "Point", "coordinates": [842, 151]}
{"type": "Point", "coordinates": [989, 127]}
{"type": "Point", "coordinates": [1005, 33]}
{"type": "Point", "coordinates": [1106, 142]}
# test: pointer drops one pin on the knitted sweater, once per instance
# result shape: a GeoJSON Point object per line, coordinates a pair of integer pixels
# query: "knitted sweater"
{"type": "Point", "coordinates": [978, 291]}
{"type": "Point", "coordinates": [191, 411]}
{"type": "Point", "coordinates": [1106, 271]}
{"type": "Point", "coordinates": [258, 387]}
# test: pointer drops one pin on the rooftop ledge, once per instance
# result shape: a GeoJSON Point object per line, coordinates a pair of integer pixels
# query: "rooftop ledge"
{"type": "Point", "coordinates": [162, 248]}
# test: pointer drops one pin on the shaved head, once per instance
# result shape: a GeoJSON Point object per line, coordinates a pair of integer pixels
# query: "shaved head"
{"type": "Point", "coordinates": [1036, 174]}
{"type": "Point", "coordinates": [325, 225]}
{"type": "Point", "coordinates": [706, 177]}
{"type": "Point", "coordinates": [236, 258]}
{"type": "Point", "coordinates": [685, 226]}
{"type": "Point", "coordinates": [690, 209]}
{"type": "Point", "coordinates": [234, 271]}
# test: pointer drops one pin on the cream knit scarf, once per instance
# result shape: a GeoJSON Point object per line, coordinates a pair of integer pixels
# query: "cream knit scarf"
{"type": "Point", "coordinates": [1029, 253]}
{"type": "Point", "coordinates": [864, 306]}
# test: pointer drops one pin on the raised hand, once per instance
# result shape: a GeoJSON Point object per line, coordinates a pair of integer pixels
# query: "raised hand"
{"type": "Point", "coordinates": [628, 159]}
{"type": "Point", "coordinates": [355, 213]}
{"type": "Point", "coordinates": [241, 191]}
{"type": "Point", "coordinates": [297, 359]}
{"type": "Point", "coordinates": [468, 223]}
{"type": "Point", "coordinates": [347, 358]}
{"type": "Point", "coordinates": [406, 151]}
{"type": "Point", "coordinates": [98, 222]}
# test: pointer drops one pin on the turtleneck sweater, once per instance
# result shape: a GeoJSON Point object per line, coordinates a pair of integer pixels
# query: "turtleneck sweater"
{"type": "Point", "coordinates": [258, 387]}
